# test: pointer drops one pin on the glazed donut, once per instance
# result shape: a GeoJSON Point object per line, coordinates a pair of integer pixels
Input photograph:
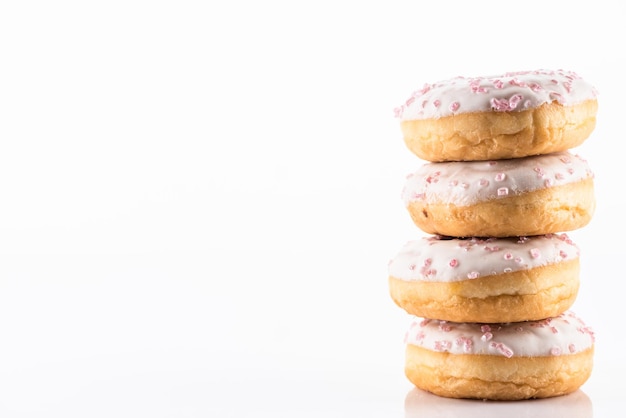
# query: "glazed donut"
{"type": "Point", "coordinates": [486, 280]}
{"type": "Point", "coordinates": [512, 361]}
{"type": "Point", "coordinates": [518, 197]}
{"type": "Point", "coordinates": [508, 116]}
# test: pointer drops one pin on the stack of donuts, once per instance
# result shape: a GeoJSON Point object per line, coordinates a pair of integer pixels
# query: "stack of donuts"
{"type": "Point", "coordinates": [491, 283]}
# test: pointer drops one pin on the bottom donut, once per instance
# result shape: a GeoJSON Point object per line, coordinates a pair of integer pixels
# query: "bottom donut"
{"type": "Point", "coordinates": [512, 361]}
{"type": "Point", "coordinates": [422, 404]}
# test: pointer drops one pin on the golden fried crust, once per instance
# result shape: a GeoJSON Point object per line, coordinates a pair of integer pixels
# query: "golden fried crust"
{"type": "Point", "coordinates": [556, 209]}
{"type": "Point", "coordinates": [479, 136]}
{"type": "Point", "coordinates": [526, 295]}
{"type": "Point", "coordinates": [496, 377]}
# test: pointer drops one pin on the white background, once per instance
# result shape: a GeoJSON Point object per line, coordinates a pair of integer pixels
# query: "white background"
{"type": "Point", "coordinates": [198, 200]}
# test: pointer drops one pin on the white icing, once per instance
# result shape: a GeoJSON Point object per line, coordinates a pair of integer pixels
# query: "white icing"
{"type": "Point", "coordinates": [508, 92]}
{"type": "Point", "coordinates": [562, 335]}
{"type": "Point", "coordinates": [439, 259]}
{"type": "Point", "coordinates": [470, 182]}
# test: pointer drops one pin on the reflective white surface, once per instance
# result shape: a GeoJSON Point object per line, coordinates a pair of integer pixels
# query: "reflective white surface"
{"type": "Point", "coordinates": [198, 201]}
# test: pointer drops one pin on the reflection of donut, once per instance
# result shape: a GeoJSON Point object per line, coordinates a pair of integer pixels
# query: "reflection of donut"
{"type": "Point", "coordinates": [524, 196]}
{"type": "Point", "coordinates": [421, 404]}
{"type": "Point", "coordinates": [509, 116]}
{"type": "Point", "coordinates": [513, 361]}
{"type": "Point", "coordinates": [486, 280]}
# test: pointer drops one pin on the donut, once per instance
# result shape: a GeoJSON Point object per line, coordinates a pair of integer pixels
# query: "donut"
{"type": "Point", "coordinates": [488, 280]}
{"type": "Point", "coordinates": [513, 115]}
{"type": "Point", "coordinates": [534, 195]}
{"type": "Point", "coordinates": [509, 361]}
{"type": "Point", "coordinates": [421, 404]}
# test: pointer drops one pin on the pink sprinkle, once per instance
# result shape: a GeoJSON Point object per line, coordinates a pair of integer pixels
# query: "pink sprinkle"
{"type": "Point", "coordinates": [498, 84]}
{"type": "Point", "coordinates": [454, 262]}
{"type": "Point", "coordinates": [473, 275]}
{"type": "Point", "coordinates": [563, 254]}
{"type": "Point", "coordinates": [559, 176]}
{"type": "Point", "coordinates": [500, 177]}
{"type": "Point", "coordinates": [508, 256]}
{"type": "Point", "coordinates": [568, 86]}
{"type": "Point", "coordinates": [556, 96]}
{"type": "Point", "coordinates": [412, 267]}
{"type": "Point", "coordinates": [555, 351]}
{"type": "Point", "coordinates": [483, 182]}
{"type": "Point", "coordinates": [516, 82]}
{"type": "Point", "coordinates": [515, 100]}
{"type": "Point", "coordinates": [425, 89]}
{"type": "Point", "coordinates": [485, 328]}
{"type": "Point", "coordinates": [518, 260]}
{"type": "Point", "coordinates": [445, 327]}
{"type": "Point", "coordinates": [454, 106]}
{"type": "Point", "coordinates": [535, 253]}
{"type": "Point", "coordinates": [453, 183]}
{"type": "Point", "coordinates": [503, 191]}
{"type": "Point", "coordinates": [486, 336]}
{"type": "Point", "coordinates": [501, 105]}
{"type": "Point", "coordinates": [442, 345]}
{"type": "Point", "coordinates": [429, 272]}
{"type": "Point", "coordinates": [554, 330]}
{"type": "Point", "coordinates": [475, 87]}
{"type": "Point", "coordinates": [572, 348]}
{"type": "Point", "coordinates": [505, 105]}
{"type": "Point", "coordinates": [465, 342]}
{"type": "Point", "coordinates": [425, 322]}
{"type": "Point", "coordinates": [503, 349]}
{"type": "Point", "coordinates": [437, 103]}
{"type": "Point", "coordinates": [548, 183]}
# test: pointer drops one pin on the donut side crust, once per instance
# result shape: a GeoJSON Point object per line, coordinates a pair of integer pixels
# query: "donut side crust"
{"type": "Point", "coordinates": [525, 295]}
{"type": "Point", "coordinates": [495, 377]}
{"type": "Point", "coordinates": [556, 209]}
{"type": "Point", "coordinates": [480, 136]}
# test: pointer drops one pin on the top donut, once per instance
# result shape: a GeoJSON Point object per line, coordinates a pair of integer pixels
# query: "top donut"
{"type": "Point", "coordinates": [513, 115]}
